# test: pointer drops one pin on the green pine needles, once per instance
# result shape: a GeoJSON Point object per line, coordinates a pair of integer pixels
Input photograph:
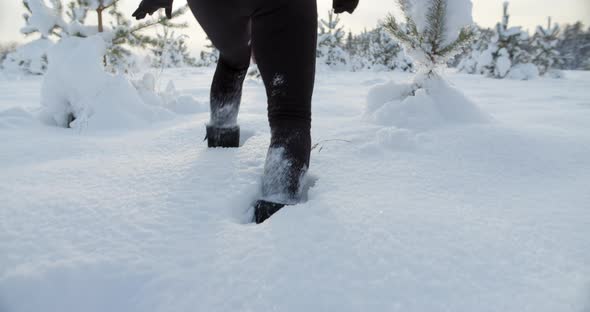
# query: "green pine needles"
{"type": "Point", "coordinates": [431, 44]}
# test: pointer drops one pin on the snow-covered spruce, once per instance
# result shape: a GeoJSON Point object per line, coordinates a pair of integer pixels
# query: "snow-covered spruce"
{"type": "Point", "coordinates": [29, 58]}
{"type": "Point", "coordinates": [506, 56]}
{"type": "Point", "coordinates": [544, 49]}
{"type": "Point", "coordinates": [435, 31]}
{"type": "Point", "coordinates": [78, 93]}
{"type": "Point", "coordinates": [171, 50]}
{"type": "Point", "coordinates": [330, 40]}
{"type": "Point", "coordinates": [377, 50]}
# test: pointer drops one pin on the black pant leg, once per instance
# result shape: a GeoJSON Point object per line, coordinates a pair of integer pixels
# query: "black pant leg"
{"type": "Point", "coordinates": [284, 36]}
{"type": "Point", "coordinates": [226, 24]}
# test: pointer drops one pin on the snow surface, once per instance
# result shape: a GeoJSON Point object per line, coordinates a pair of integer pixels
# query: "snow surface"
{"type": "Point", "coordinates": [460, 217]}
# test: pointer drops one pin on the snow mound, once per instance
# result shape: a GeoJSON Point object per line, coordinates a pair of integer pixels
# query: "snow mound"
{"type": "Point", "coordinates": [433, 105]}
{"type": "Point", "coordinates": [170, 99]}
{"type": "Point", "coordinates": [76, 84]}
{"type": "Point", "coordinates": [14, 118]}
{"type": "Point", "coordinates": [526, 71]}
{"type": "Point", "coordinates": [182, 103]}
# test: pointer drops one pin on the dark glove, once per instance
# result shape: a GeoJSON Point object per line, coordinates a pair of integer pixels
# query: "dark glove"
{"type": "Point", "coordinates": [345, 6]}
{"type": "Point", "coordinates": [151, 6]}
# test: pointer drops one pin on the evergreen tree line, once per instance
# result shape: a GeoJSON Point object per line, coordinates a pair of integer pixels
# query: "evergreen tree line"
{"type": "Point", "coordinates": [497, 52]}
{"type": "Point", "coordinates": [507, 50]}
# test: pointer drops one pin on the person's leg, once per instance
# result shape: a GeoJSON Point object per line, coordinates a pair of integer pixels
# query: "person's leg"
{"type": "Point", "coordinates": [226, 24]}
{"type": "Point", "coordinates": [284, 35]}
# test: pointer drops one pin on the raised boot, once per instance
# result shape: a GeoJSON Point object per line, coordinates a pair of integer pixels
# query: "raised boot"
{"type": "Point", "coordinates": [223, 136]}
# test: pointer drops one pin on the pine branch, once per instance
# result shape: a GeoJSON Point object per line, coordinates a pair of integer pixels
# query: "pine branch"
{"type": "Point", "coordinates": [402, 33]}
{"type": "Point", "coordinates": [466, 37]}
{"type": "Point", "coordinates": [436, 28]}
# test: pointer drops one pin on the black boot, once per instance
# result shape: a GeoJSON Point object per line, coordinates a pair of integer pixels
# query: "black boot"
{"type": "Point", "coordinates": [223, 137]}
{"type": "Point", "coordinates": [264, 210]}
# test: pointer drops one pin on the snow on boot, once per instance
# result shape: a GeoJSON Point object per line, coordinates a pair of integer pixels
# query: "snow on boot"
{"type": "Point", "coordinates": [223, 137]}
{"type": "Point", "coordinates": [264, 210]}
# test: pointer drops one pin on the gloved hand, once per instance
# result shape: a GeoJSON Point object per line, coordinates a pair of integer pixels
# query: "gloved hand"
{"type": "Point", "coordinates": [345, 5]}
{"type": "Point", "coordinates": [151, 6]}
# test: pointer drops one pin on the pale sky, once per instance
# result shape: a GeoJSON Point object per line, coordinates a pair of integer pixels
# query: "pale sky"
{"type": "Point", "coordinates": [526, 13]}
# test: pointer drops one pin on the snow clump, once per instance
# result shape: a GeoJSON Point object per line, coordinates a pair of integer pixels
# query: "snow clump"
{"type": "Point", "coordinates": [435, 104]}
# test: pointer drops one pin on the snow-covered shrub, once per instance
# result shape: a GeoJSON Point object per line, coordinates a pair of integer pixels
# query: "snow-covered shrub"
{"type": "Point", "coordinates": [5, 49]}
{"type": "Point", "coordinates": [171, 51]}
{"type": "Point", "coordinates": [384, 53]}
{"type": "Point", "coordinates": [29, 58]}
{"type": "Point", "coordinates": [507, 49]}
{"type": "Point", "coordinates": [544, 49]}
{"type": "Point", "coordinates": [467, 61]}
{"type": "Point", "coordinates": [435, 31]}
{"type": "Point", "coordinates": [78, 93]}
{"type": "Point", "coordinates": [330, 40]}
{"type": "Point", "coordinates": [43, 19]}
{"type": "Point", "coordinates": [376, 50]}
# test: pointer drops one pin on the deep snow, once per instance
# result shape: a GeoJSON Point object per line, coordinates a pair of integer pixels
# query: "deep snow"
{"type": "Point", "coordinates": [458, 217]}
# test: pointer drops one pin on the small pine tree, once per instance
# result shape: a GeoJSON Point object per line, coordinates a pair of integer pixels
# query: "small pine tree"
{"type": "Point", "coordinates": [468, 60]}
{"type": "Point", "coordinates": [330, 40]}
{"type": "Point", "coordinates": [544, 48]}
{"type": "Point", "coordinates": [385, 53]}
{"type": "Point", "coordinates": [433, 45]}
{"type": "Point", "coordinates": [507, 51]}
{"type": "Point", "coordinates": [171, 50]}
{"type": "Point", "coordinates": [44, 20]}
{"type": "Point", "coordinates": [513, 39]}
{"type": "Point", "coordinates": [432, 34]}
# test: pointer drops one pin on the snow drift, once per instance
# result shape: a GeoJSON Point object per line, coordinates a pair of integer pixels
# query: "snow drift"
{"type": "Point", "coordinates": [77, 86]}
{"type": "Point", "coordinates": [434, 104]}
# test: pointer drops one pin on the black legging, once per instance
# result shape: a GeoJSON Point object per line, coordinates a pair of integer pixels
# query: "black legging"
{"type": "Point", "coordinates": [283, 35]}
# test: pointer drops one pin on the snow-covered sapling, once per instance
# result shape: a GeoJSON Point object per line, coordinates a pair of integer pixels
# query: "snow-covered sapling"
{"type": "Point", "coordinates": [330, 42]}
{"type": "Point", "coordinates": [171, 50]}
{"type": "Point", "coordinates": [434, 31]}
{"type": "Point", "coordinates": [505, 55]}
{"type": "Point", "coordinates": [544, 49]}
